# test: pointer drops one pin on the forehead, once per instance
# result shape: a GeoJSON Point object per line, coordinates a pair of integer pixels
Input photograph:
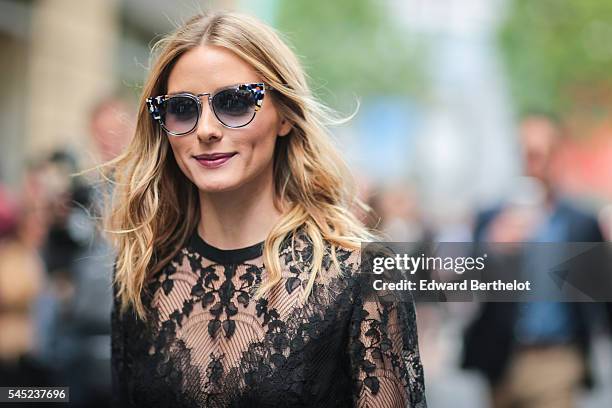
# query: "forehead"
{"type": "Point", "coordinates": [538, 133]}
{"type": "Point", "coordinates": [206, 68]}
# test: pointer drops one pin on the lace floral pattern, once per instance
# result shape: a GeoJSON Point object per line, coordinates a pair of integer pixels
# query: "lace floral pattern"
{"type": "Point", "coordinates": [209, 343]}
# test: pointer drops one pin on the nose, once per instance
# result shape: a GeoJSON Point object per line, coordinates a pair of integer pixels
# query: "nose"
{"type": "Point", "coordinates": [208, 127]}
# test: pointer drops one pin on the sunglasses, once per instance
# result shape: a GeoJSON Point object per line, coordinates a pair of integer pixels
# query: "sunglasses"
{"type": "Point", "coordinates": [234, 107]}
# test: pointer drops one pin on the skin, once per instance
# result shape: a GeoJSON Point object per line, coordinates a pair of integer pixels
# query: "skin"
{"type": "Point", "coordinates": [236, 199]}
{"type": "Point", "coordinates": [539, 139]}
{"type": "Point", "coordinates": [111, 127]}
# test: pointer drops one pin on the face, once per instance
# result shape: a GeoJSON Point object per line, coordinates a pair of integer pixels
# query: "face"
{"type": "Point", "coordinates": [538, 141]}
{"type": "Point", "coordinates": [111, 128]}
{"type": "Point", "coordinates": [244, 154]}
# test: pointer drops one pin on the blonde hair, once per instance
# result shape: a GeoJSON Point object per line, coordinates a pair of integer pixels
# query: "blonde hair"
{"type": "Point", "coordinates": [155, 208]}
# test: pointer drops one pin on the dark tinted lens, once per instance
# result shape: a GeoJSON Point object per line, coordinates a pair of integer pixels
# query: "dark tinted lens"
{"type": "Point", "coordinates": [180, 114]}
{"type": "Point", "coordinates": [234, 107]}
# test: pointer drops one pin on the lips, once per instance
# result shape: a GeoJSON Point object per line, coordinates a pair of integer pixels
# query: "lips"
{"type": "Point", "coordinates": [212, 160]}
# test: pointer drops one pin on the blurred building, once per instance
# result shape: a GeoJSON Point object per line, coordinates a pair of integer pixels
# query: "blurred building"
{"type": "Point", "coordinates": [60, 57]}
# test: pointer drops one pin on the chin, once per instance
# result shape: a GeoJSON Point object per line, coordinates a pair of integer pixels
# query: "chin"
{"type": "Point", "coordinates": [216, 186]}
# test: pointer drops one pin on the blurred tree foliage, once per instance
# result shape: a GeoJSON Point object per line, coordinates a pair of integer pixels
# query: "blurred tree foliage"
{"type": "Point", "coordinates": [351, 48]}
{"type": "Point", "coordinates": [559, 55]}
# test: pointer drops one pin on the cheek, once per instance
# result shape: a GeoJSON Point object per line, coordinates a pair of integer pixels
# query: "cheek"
{"type": "Point", "coordinates": [263, 138]}
{"type": "Point", "coordinates": [177, 150]}
{"type": "Point", "coordinates": [261, 147]}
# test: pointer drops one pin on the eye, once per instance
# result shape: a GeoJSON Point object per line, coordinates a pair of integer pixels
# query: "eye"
{"type": "Point", "coordinates": [233, 102]}
{"type": "Point", "coordinates": [181, 107]}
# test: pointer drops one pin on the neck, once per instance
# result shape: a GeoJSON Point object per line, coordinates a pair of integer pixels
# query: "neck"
{"type": "Point", "coordinates": [238, 218]}
{"type": "Point", "coordinates": [550, 196]}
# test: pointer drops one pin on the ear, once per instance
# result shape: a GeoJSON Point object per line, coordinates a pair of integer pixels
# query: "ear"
{"type": "Point", "coordinates": [285, 127]}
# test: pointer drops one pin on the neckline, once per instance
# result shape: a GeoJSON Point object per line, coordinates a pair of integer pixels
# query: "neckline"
{"type": "Point", "coordinates": [225, 256]}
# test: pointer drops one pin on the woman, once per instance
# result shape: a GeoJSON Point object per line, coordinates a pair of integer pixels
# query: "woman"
{"type": "Point", "coordinates": [237, 254]}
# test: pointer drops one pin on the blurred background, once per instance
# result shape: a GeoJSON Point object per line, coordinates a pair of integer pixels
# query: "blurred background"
{"type": "Point", "coordinates": [464, 106]}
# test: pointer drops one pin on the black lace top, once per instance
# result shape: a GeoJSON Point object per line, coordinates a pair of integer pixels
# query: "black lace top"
{"type": "Point", "coordinates": [209, 343]}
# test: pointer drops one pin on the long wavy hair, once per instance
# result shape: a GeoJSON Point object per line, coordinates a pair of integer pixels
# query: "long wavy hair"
{"type": "Point", "coordinates": [154, 208]}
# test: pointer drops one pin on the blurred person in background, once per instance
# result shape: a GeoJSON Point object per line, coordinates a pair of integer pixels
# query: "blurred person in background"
{"type": "Point", "coordinates": [22, 277]}
{"type": "Point", "coordinates": [63, 194]}
{"type": "Point", "coordinates": [400, 216]}
{"type": "Point", "coordinates": [77, 313]}
{"type": "Point", "coordinates": [533, 354]}
{"type": "Point", "coordinates": [111, 126]}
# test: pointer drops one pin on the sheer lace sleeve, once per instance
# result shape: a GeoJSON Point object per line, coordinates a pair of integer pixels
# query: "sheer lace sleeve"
{"type": "Point", "coordinates": [118, 366]}
{"type": "Point", "coordinates": [383, 348]}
